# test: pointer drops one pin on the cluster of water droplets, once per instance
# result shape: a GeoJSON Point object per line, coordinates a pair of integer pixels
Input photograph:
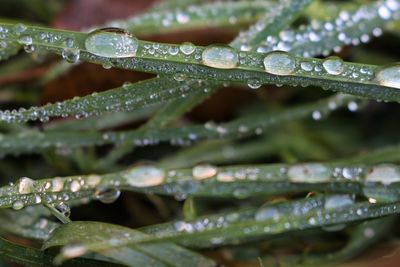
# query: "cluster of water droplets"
{"type": "Point", "coordinates": [349, 28]}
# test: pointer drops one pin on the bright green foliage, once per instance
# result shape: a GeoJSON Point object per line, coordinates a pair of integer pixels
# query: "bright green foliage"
{"type": "Point", "coordinates": [233, 194]}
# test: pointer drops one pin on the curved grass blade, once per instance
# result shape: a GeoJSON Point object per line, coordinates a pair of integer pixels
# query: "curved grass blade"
{"type": "Point", "coordinates": [161, 254]}
{"type": "Point", "coordinates": [199, 15]}
{"type": "Point", "coordinates": [126, 98]}
{"type": "Point", "coordinates": [242, 127]}
{"type": "Point", "coordinates": [261, 225]}
{"type": "Point", "coordinates": [32, 257]}
{"type": "Point", "coordinates": [378, 183]}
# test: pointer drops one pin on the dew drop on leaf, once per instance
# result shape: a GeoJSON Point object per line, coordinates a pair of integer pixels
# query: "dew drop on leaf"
{"type": "Point", "coordinates": [333, 65]}
{"type": "Point", "coordinates": [144, 176]}
{"type": "Point", "coordinates": [112, 43]}
{"type": "Point", "coordinates": [25, 185]}
{"type": "Point", "coordinates": [389, 76]}
{"type": "Point", "coordinates": [107, 195]}
{"type": "Point", "coordinates": [187, 48]}
{"type": "Point", "coordinates": [279, 63]}
{"type": "Point", "coordinates": [220, 57]}
{"type": "Point", "coordinates": [17, 205]}
{"type": "Point", "coordinates": [205, 171]}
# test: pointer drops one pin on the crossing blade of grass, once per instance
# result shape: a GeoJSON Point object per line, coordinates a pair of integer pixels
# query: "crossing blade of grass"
{"type": "Point", "coordinates": [161, 254]}
{"type": "Point", "coordinates": [242, 127]}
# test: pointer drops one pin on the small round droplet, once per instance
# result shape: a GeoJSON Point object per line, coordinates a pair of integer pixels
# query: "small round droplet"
{"type": "Point", "coordinates": [112, 43]}
{"type": "Point", "coordinates": [389, 76]}
{"type": "Point", "coordinates": [25, 185]}
{"type": "Point", "coordinates": [17, 205]}
{"type": "Point", "coordinates": [333, 65]}
{"type": "Point", "coordinates": [254, 83]}
{"type": "Point", "coordinates": [187, 48]}
{"type": "Point", "coordinates": [220, 57]}
{"type": "Point", "coordinates": [144, 176]}
{"type": "Point", "coordinates": [25, 40]}
{"type": "Point", "coordinates": [57, 184]}
{"type": "Point", "coordinates": [63, 208]}
{"type": "Point", "coordinates": [71, 55]}
{"type": "Point", "coordinates": [107, 195]}
{"type": "Point", "coordinates": [202, 172]}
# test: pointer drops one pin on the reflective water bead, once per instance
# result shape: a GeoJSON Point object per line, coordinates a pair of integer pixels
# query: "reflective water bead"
{"type": "Point", "coordinates": [75, 186]}
{"type": "Point", "coordinates": [220, 57]}
{"type": "Point", "coordinates": [107, 195]}
{"type": "Point", "coordinates": [17, 205]}
{"type": "Point", "coordinates": [389, 76]}
{"type": "Point", "coordinates": [63, 208]}
{"type": "Point", "coordinates": [73, 250]}
{"type": "Point", "coordinates": [338, 201]}
{"type": "Point", "coordinates": [112, 42]}
{"type": "Point", "coordinates": [333, 65]}
{"type": "Point", "coordinates": [204, 171]}
{"type": "Point", "coordinates": [71, 55]}
{"type": "Point", "coordinates": [279, 63]}
{"type": "Point", "coordinates": [266, 213]}
{"type": "Point", "coordinates": [25, 185]}
{"type": "Point", "coordinates": [187, 48]}
{"type": "Point", "coordinates": [25, 40]}
{"type": "Point", "coordinates": [309, 173]}
{"type": "Point", "coordinates": [385, 174]}
{"type": "Point", "coordinates": [254, 83]}
{"type": "Point", "coordinates": [144, 176]}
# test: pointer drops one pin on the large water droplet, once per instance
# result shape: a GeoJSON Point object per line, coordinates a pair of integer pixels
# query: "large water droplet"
{"type": "Point", "coordinates": [309, 173]}
{"type": "Point", "coordinates": [112, 42]}
{"type": "Point", "coordinates": [279, 63]}
{"type": "Point", "coordinates": [220, 57]}
{"type": "Point", "coordinates": [73, 250]}
{"type": "Point", "coordinates": [205, 171]}
{"type": "Point", "coordinates": [389, 76]}
{"type": "Point", "coordinates": [107, 195]}
{"type": "Point", "coordinates": [333, 65]}
{"type": "Point", "coordinates": [144, 176]}
{"type": "Point", "coordinates": [385, 174]}
{"type": "Point", "coordinates": [25, 185]}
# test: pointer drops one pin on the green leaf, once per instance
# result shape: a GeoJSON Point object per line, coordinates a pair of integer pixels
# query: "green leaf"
{"type": "Point", "coordinates": [86, 233]}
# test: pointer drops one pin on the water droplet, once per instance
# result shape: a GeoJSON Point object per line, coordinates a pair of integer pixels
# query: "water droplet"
{"type": "Point", "coordinates": [254, 83]}
{"type": "Point", "coordinates": [144, 176]}
{"type": "Point", "coordinates": [352, 106]}
{"type": "Point", "coordinates": [19, 28]}
{"type": "Point", "coordinates": [107, 195]}
{"type": "Point", "coordinates": [112, 42]}
{"type": "Point", "coordinates": [225, 177]}
{"type": "Point", "coordinates": [279, 63]}
{"type": "Point", "coordinates": [220, 57]}
{"type": "Point", "coordinates": [316, 115]}
{"type": "Point", "coordinates": [57, 184]}
{"type": "Point", "coordinates": [187, 48]}
{"type": "Point", "coordinates": [205, 171]}
{"type": "Point", "coordinates": [75, 186]}
{"type": "Point", "coordinates": [338, 201]}
{"type": "Point", "coordinates": [385, 174]}
{"type": "Point", "coordinates": [73, 250]}
{"type": "Point", "coordinates": [333, 65]}
{"type": "Point", "coordinates": [25, 40]}
{"type": "Point", "coordinates": [266, 213]}
{"type": "Point", "coordinates": [63, 208]}
{"type": "Point", "coordinates": [369, 232]}
{"type": "Point", "coordinates": [17, 205]}
{"type": "Point", "coordinates": [180, 77]}
{"type": "Point", "coordinates": [389, 76]}
{"type": "Point", "coordinates": [309, 173]}
{"type": "Point", "coordinates": [71, 55]}
{"type": "Point", "coordinates": [25, 185]}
